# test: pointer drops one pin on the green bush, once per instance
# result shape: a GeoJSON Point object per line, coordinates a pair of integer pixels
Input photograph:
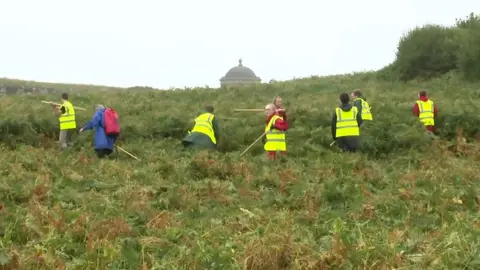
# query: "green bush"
{"type": "Point", "coordinates": [427, 52]}
{"type": "Point", "coordinates": [430, 51]}
{"type": "Point", "coordinates": [469, 52]}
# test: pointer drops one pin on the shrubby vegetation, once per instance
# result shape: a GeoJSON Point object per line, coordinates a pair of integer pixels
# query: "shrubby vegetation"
{"type": "Point", "coordinates": [404, 201]}
{"type": "Point", "coordinates": [433, 50]}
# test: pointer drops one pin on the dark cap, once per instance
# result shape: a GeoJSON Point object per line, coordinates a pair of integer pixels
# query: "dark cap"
{"type": "Point", "coordinates": [344, 98]}
{"type": "Point", "coordinates": [209, 108]}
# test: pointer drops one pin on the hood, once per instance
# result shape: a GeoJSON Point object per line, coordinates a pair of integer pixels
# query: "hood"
{"type": "Point", "coordinates": [99, 107]}
{"type": "Point", "coordinates": [346, 107]}
{"type": "Point", "coordinates": [423, 98]}
{"type": "Point", "coordinates": [270, 117]}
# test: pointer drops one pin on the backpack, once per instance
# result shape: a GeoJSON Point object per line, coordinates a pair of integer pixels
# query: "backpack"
{"type": "Point", "coordinates": [110, 120]}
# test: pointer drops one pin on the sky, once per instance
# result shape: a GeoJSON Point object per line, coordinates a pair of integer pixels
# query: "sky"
{"type": "Point", "coordinates": [188, 43]}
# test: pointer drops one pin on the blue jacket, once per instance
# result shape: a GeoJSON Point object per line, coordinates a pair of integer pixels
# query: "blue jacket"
{"type": "Point", "coordinates": [101, 140]}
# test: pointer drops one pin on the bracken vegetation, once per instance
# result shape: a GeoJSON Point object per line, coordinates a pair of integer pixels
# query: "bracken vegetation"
{"type": "Point", "coordinates": [406, 201]}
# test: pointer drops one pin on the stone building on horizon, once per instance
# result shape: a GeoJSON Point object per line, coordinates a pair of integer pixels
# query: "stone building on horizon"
{"type": "Point", "coordinates": [239, 75]}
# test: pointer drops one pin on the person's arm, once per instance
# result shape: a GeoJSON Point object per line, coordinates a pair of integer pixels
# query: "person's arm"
{"type": "Point", "coordinates": [333, 126]}
{"type": "Point", "coordinates": [59, 110]}
{"type": "Point", "coordinates": [359, 119]}
{"type": "Point", "coordinates": [416, 111]}
{"type": "Point", "coordinates": [280, 124]}
{"type": "Point", "coordinates": [283, 113]}
{"type": "Point", "coordinates": [358, 103]}
{"type": "Point", "coordinates": [216, 129]}
{"type": "Point", "coordinates": [435, 112]}
{"type": "Point", "coordinates": [96, 119]}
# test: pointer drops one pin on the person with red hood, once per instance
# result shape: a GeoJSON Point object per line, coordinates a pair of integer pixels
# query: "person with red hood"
{"type": "Point", "coordinates": [426, 111]}
{"type": "Point", "coordinates": [275, 139]}
{"type": "Point", "coordinates": [277, 101]}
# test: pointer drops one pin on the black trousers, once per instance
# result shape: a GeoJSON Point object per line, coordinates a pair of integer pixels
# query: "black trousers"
{"type": "Point", "coordinates": [348, 144]}
{"type": "Point", "coordinates": [186, 144]}
{"type": "Point", "coordinates": [101, 153]}
{"type": "Point", "coordinates": [348, 149]}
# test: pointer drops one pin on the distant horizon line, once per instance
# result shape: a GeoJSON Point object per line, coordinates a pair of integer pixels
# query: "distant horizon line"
{"type": "Point", "coordinates": [173, 87]}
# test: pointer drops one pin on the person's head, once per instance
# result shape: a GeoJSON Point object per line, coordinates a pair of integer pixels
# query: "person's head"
{"type": "Point", "coordinates": [209, 108]}
{"type": "Point", "coordinates": [99, 107]}
{"type": "Point", "coordinates": [270, 109]}
{"type": "Point", "coordinates": [64, 96]}
{"type": "Point", "coordinates": [422, 93]}
{"type": "Point", "coordinates": [344, 98]}
{"type": "Point", "coordinates": [356, 93]}
{"type": "Point", "coordinates": [277, 101]}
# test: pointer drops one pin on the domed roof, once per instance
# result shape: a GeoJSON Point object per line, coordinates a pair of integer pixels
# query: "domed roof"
{"type": "Point", "coordinates": [240, 73]}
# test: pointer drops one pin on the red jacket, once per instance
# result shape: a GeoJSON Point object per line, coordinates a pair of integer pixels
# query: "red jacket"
{"type": "Point", "coordinates": [279, 123]}
{"type": "Point", "coordinates": [282, 114]}
{"type": "Point", "coordinates": [416, 112]}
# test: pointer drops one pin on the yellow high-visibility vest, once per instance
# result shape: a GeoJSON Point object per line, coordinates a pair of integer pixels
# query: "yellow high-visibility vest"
{"type": "Point", "coordinates": [347, 122]}
{"type": "Point", "coordinates": [426, 115]}
{"type": "Point", "coordinates": [276, 139]}
{"type": "Point", "coordinates": [366, 113]}
{"type": "Point", "coordinates": [67, 119]}
{"type": "Point", "coordinates": [204, 125]}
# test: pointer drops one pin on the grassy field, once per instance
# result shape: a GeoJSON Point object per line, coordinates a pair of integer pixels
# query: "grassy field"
{"type": "Point", "coordinates": [405, 202]}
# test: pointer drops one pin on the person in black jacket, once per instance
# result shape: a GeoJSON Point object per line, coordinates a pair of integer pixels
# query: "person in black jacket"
{"type": "Point", "coordinates": [205, 133]}
{"type": "Point", "coordinates": [349, 141]}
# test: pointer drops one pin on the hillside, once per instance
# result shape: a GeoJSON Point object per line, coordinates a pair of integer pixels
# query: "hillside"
{"type": "Point", "coordinates": [405, 201]}
{"type": "Point", "coordinates": [317, 209]}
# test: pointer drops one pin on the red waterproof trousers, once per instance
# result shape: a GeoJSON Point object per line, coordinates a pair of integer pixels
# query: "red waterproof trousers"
{"type": "Point", "coordinates": [273, 154]}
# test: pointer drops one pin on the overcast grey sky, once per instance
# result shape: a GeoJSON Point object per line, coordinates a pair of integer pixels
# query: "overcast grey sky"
{"type": "Point", "coordinates": [181, 43]}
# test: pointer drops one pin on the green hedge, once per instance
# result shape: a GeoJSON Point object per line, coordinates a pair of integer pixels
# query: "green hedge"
{"type": "Point", "coordinates": [430, 51]}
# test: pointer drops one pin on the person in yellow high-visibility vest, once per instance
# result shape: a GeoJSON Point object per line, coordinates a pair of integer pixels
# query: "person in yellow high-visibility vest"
{"type": "Point", "coordinates": [205, 133]}
{"type": "Point", "coordinates": [346, 121]}
{"type": "Point", "coordinates": [426, 111]}
{"type": "Point", "coordinates": [362, 105]}
{"type": "Point", "coordinates": [275, 128]}
{"type": "Point", "coordinates": [68, 124]}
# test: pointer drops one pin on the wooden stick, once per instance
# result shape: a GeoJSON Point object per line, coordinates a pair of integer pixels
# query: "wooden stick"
{"type": "Point", "coordinates": [254, 143]}
{"type": "Point", "coordinates": [249, 110]}
{"type": "Point", "coordinates": [50, 102]}
{"type": "Point", "coordinates": [125, 151]}
{"type": "Point", "coordinates": [332, 143]}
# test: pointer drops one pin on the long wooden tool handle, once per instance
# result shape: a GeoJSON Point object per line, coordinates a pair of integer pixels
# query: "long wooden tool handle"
{"type": "Point", "coordinates": [125, 151]}
{"type": "Point", "coordinates": [50, 102]}
{"type": "Point", "coordinates": [249, 110]}
{"type": "Point", "coordinates": [254, 143]}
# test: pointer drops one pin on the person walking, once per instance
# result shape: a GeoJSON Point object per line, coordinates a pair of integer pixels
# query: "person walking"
{"type": "Point", "coordinates": [346, 121]}
{"type": "Point", "coordinates": [275, 138]}
{"type": "Point", "coordinates": [362, 105]}
{"type": "Point", "coordinates": [103, 144]}
{"type": "Point", "coordinates": [66, 117]}
{"type": "Point", "coordinates": [426, 111]}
